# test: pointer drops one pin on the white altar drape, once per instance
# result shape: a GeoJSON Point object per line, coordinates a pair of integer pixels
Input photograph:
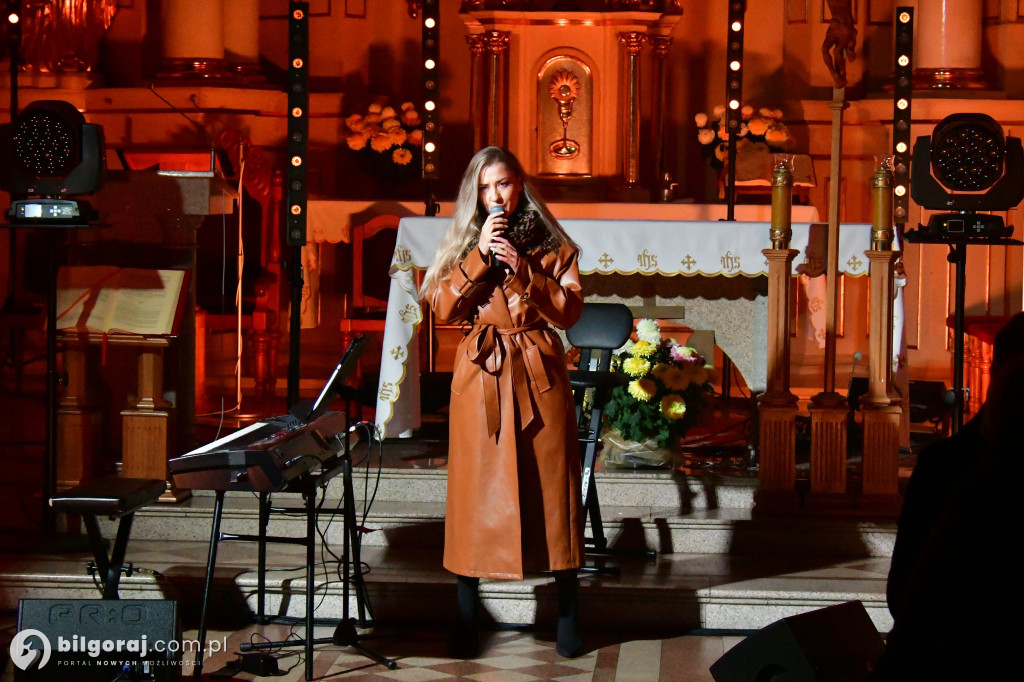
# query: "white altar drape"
{"type": "Point", "coordinates": [624, 247]}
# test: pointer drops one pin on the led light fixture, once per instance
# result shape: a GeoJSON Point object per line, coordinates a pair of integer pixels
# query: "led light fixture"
{"type": "Point", "coordinates": [966, 166]}
{"type": "Point", "coordinates": [902, 101]}
{"type": "Point", "coordinates": [734, 93]}
{"type": "Point", "coordinates": [49, 152]}
{"type": "Point", "coordinates": [431, 49]}
{"type": "Point", "coordinates": [298, 123]}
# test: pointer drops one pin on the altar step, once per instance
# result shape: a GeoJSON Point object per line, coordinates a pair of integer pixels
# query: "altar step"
{"type": "Point", "coordinates": [400, 489]}
{"type": "Point", "coordinates": [671, 593]}
{"type": "Point", "coordinates": [717, 566]}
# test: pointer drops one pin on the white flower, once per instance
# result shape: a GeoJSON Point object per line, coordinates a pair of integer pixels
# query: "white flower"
{"type": "Point", "coordinates": [747, 111]}
{"type": "Point", "coordinates": [718, 111]}
{"type": "Point", "coordinates": [648, 330]}
{"type": "Point", "coordinates": [705, 136]}
{"type": "Point", "coordinates": [701, 119]}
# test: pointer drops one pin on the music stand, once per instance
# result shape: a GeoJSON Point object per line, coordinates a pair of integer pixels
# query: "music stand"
{"type": "Point", "coordinates": [345, 632]}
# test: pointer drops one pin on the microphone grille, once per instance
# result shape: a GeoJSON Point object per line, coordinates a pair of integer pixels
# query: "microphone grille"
{"type": "Point", "coordinates": [496, 209]}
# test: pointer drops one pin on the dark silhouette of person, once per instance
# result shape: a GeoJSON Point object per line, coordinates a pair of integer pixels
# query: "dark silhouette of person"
{"type": "Point", "coordinates": [954, 621]}
{"type": "Point", "coordinates": [938, 476]}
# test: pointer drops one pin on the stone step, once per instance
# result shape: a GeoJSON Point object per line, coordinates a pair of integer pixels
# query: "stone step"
{"type": "Point", "coordinates": [402, 525]}
{"type": "Point", "coordinates": [615, 488]}
{"type": "Point", "coordinates": [672, 592]}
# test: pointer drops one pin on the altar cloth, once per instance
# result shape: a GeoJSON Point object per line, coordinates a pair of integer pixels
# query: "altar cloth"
{"type": "Point", "coordinates": [705, 249]}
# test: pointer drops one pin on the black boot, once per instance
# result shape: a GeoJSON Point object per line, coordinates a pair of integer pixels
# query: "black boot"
{"type": "Point", "coordinates": [569, 644]}
{"type": "Point", "coordinates": [465, 637]}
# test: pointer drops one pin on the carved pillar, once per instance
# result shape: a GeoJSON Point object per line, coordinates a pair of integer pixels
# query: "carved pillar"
{"type": "Point", "coordinates": [149, 421]}
{"type": "Point", "coordinates": [192, 34]}
{"type": "Point", "coordinates": [477, 103]}
{"type": "Point", "coordinates": [632, 41]}
{"type": "Point", "coordinates": [950, 57]}
{"type": "Point", "coordinates": [777, 408]}
{"type": "Point", "coordinates": [881, 406]}
{"type": "Point", "coordinates": [497, 46]}
{"type": "Point", "coordinates": [660, 45]}
{"type": "Point", "coordinates": [78, 416]}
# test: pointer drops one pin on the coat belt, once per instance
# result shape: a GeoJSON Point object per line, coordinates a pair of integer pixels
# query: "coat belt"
{"type": "Point", "coordinates": [490, 347]}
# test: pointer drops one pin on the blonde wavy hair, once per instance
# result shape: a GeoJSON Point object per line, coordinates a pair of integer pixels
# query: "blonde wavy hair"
{"type": "Point", "coordinates": [464, 230]}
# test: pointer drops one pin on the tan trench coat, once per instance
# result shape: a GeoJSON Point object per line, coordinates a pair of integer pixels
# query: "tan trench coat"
{"type": "Point", "coordinates": [513, 460]}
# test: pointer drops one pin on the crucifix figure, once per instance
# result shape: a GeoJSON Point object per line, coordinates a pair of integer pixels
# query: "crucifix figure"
{"type": "Point", "coordinates": [840, 40]}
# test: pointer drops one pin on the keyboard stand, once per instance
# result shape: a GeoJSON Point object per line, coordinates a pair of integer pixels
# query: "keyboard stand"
{"type": "Point", "coordinates": [345, 631]}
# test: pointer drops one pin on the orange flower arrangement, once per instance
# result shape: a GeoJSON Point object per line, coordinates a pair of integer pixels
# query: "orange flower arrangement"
{"type": "Point", "coordinates": [387, 139]}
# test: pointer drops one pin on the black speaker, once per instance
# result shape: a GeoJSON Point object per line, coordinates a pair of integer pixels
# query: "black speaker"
{"type": "Point", "coordinates": [835, 644]}
{"type": "Point", "coordinates": [97, 640]}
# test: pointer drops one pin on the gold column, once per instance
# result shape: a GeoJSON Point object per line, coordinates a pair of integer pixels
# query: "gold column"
{"type": "Point", "coordinates": [660, 45]}
{"type": "Point", "coordinates": [881, 406]}
{"type": "Point", "coordinates": [477, 104]}
{"type": "Point", "coordinates": [497, 43]}
{"type": "Point", "coordinates": [633, 41]}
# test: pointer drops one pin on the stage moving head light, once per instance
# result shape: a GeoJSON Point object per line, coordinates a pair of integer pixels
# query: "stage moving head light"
{"type": "Point", "coordinates": [49, 153]}
{"type": "Point", "coordinates": [966, 166]}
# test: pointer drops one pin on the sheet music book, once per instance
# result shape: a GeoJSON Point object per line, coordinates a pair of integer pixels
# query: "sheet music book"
{"type": "Point", "coordinates": [111, 299]}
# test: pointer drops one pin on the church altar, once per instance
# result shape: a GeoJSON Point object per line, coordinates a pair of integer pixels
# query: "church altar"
{"type": "Point", "coordinates": [715, 268]}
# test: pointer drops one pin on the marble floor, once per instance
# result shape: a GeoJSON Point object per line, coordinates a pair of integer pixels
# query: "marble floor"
{"type": "Point", "coordinates": [507, 656]}
{"type": "Point", "coordinates": [413, 631]}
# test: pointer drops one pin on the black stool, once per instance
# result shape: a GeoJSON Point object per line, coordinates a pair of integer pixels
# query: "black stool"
{"type": "Point", "coordinates": [117, 498]}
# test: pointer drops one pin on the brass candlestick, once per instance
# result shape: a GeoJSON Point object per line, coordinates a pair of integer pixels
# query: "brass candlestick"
{"type": "Point", "coordinates": [881, 204]}
{"type": "Point", "coordinates": [781, 232]}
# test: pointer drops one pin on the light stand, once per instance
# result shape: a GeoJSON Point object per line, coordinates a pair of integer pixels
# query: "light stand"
{"type": "Point", "coordinates": [958, 257]}
{"type": "Point", "coordinates": [733, 96]}
{"type": "Point", "coordinates": [969, 155]}
{"type": "Point", "coordinates": [48, 153]}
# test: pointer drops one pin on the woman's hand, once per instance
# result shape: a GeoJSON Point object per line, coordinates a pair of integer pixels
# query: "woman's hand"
{"type": "Point", "coordinates": [493, 226]}
{"type": "Point", "coordinates": [505, 252]}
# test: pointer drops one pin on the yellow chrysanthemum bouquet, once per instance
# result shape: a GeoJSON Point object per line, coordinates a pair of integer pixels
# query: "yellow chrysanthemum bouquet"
{"type": "Point", "coordinates": [669, 387]}
{"type": "Point", "coordinates": [387, 139]}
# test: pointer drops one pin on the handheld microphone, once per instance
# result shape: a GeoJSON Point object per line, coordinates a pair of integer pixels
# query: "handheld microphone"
{"type": "Point", "coordinates": [492, 211]}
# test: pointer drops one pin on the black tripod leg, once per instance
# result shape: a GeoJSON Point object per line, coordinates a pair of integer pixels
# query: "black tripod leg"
{"type": "Point", "coordinates": [310, 576]}
{"type": "Point", "coordinates": [261, 549]}
{"type": "Point", "coordinates": [211, 561]}
{"type": "Point", "coordinates": [353, 541]}
{"type": "Point", "coordinates": [958, 256]}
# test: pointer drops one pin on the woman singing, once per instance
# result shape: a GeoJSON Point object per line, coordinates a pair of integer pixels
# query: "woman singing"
{"type": "Point", "coordinates": [508, 270]}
